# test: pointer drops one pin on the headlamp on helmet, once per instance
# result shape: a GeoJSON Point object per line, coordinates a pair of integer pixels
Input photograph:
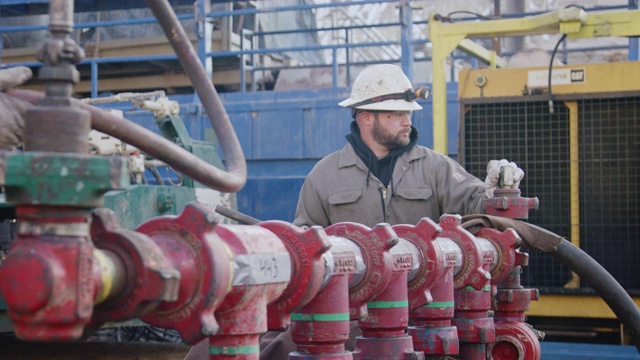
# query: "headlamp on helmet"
{"type": "Point", "coordinates": [422, 92]}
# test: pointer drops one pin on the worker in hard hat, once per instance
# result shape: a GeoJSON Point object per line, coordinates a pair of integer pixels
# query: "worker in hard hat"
{"type": "Point", "coordinates": [381, 175]}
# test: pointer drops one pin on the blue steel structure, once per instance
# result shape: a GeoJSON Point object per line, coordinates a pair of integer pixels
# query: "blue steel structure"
{"type": "Point", "coordinates": [280, 150]}
{"type": "Point", "coordinates": [284, 133]}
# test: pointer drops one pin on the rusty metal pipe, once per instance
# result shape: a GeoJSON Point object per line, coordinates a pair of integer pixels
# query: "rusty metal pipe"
{"type": "Point", "coordinates": [61, 16]}
{"type": "Point", "coordinates": [206, 91]}
{"type": "Point", "coordinates": [154, 145]}
{"type": "Point", "coordinates": [236, 215]}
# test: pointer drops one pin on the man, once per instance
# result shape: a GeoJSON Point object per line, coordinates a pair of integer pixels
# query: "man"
{"type": "Point", "coordinates": [382, 176]}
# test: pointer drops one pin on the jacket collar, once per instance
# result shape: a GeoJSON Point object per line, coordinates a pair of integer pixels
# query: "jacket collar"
{"type": "Point", "coordinates": [348, 156]}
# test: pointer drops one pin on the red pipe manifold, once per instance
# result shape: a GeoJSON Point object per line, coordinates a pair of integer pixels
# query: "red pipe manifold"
{"type": "Point", "coordinates": [379, 301]}
{"type": "Point", "coordinates": [230, 283]}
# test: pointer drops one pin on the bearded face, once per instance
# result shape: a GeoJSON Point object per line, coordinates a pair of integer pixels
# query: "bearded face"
{"type": "Point", "coordinates": [391, 140]}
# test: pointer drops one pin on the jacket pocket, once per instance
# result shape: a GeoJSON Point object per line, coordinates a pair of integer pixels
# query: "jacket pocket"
{"type": "Point", "coordinates": [348, 206]}
{"type": "Point", "coordinates": [346, 197]}
{"type": "Point", "coordinates": [415, 193]}
{"type": "Point", "coordinates": [412, 204]}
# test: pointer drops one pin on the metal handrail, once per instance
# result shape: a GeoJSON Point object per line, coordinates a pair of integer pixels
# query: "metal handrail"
{"type": "Point", "coordinates": [251, 37]}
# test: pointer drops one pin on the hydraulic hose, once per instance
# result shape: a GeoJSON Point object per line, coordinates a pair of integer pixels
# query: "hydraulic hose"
{"type": "Point", "coordinates": [152, 144]}
{"type": "Point", "coordinates": [536, 238]}
{"type": "Point", "coordinates": [236, 164]}
{"type": "Point", "coordinates": [604, 284]}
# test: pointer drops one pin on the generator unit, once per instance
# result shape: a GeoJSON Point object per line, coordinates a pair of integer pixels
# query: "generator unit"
{"type": "Point", "coordinates": [577, 137]}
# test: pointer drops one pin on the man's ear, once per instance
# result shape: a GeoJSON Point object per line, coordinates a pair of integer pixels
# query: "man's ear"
{"type": "Point", "coordinates": [365, 119]}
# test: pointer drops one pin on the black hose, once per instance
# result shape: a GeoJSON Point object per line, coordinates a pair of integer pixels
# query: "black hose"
{"type": "Point", "coordinates": [536, 238]}
{"type": "Point", "coordinates": [604, 284]}
{"type": "Point", "coordinates": [553, 56]}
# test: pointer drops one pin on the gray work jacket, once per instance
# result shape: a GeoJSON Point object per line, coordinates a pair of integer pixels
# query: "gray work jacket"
{"type": "Point", "coordinates": [424, 184]}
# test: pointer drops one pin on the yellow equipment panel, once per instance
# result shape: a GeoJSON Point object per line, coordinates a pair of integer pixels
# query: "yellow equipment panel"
{"type": "Point", "coordinates": [567, 79]}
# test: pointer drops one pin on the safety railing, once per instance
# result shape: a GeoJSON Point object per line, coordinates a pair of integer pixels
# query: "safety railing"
{"type": "Point", "coordinates": [343, 51]}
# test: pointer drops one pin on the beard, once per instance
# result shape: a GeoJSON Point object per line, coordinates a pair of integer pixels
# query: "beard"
{"type": "Point", "coordinates": [383, 137]}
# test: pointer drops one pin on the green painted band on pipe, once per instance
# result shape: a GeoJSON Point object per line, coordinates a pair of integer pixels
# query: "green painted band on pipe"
{"type": "Point", "coordinates": [233, 350]}
{"type": "Point", "coordinates": [387, 304]}
{"type": "Point", "coordinates": [440, 304]}
{"type": "Point", "coordinates": [320, 317]}
{"type": "Point", "coordinates": [486, 288]}
{"type": "Point", "coordinates": [61, 179]}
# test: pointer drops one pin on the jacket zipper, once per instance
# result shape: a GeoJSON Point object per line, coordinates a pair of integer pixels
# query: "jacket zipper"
{"type": "Point", "coordinates": [383, 196]}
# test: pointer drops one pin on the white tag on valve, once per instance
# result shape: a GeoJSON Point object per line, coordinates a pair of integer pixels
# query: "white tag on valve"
{"type": "Point", "coordinates": [255, 269]}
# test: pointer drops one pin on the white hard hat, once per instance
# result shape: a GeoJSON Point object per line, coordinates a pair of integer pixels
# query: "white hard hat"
{"type": "Point", "coordinates": [384, 87]}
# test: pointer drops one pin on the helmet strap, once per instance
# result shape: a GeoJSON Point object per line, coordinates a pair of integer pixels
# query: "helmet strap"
{"type": "Point", "coordinates": [410, 95]}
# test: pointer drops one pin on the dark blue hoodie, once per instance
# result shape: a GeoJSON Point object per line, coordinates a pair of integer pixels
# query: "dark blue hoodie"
{"type": "Point", "coordinates": [380, 168]}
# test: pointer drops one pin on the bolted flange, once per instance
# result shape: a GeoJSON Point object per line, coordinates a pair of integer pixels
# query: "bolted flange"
{"type": "Point", "coordinates": [375, 244]}
{"type": "Point", "coordinates": [204, 263]}
{"type": "Point", "coordinates": [148, 277]}
{"type": "Point", "coordinates": [472, 274]}
{"type": "Point", "coordinates": [306, 248]}
{"type": "Point", "coordinates": [423, 235]}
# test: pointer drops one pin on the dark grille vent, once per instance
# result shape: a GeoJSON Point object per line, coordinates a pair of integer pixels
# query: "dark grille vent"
{"type": "Point", "coordinates": [609, 185]}
{"type": "Point", "coordinates": [609, 146]}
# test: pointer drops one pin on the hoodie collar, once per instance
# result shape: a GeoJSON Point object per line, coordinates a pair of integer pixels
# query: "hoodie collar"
{"type": "Point", "coordinates": [363, 151]}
